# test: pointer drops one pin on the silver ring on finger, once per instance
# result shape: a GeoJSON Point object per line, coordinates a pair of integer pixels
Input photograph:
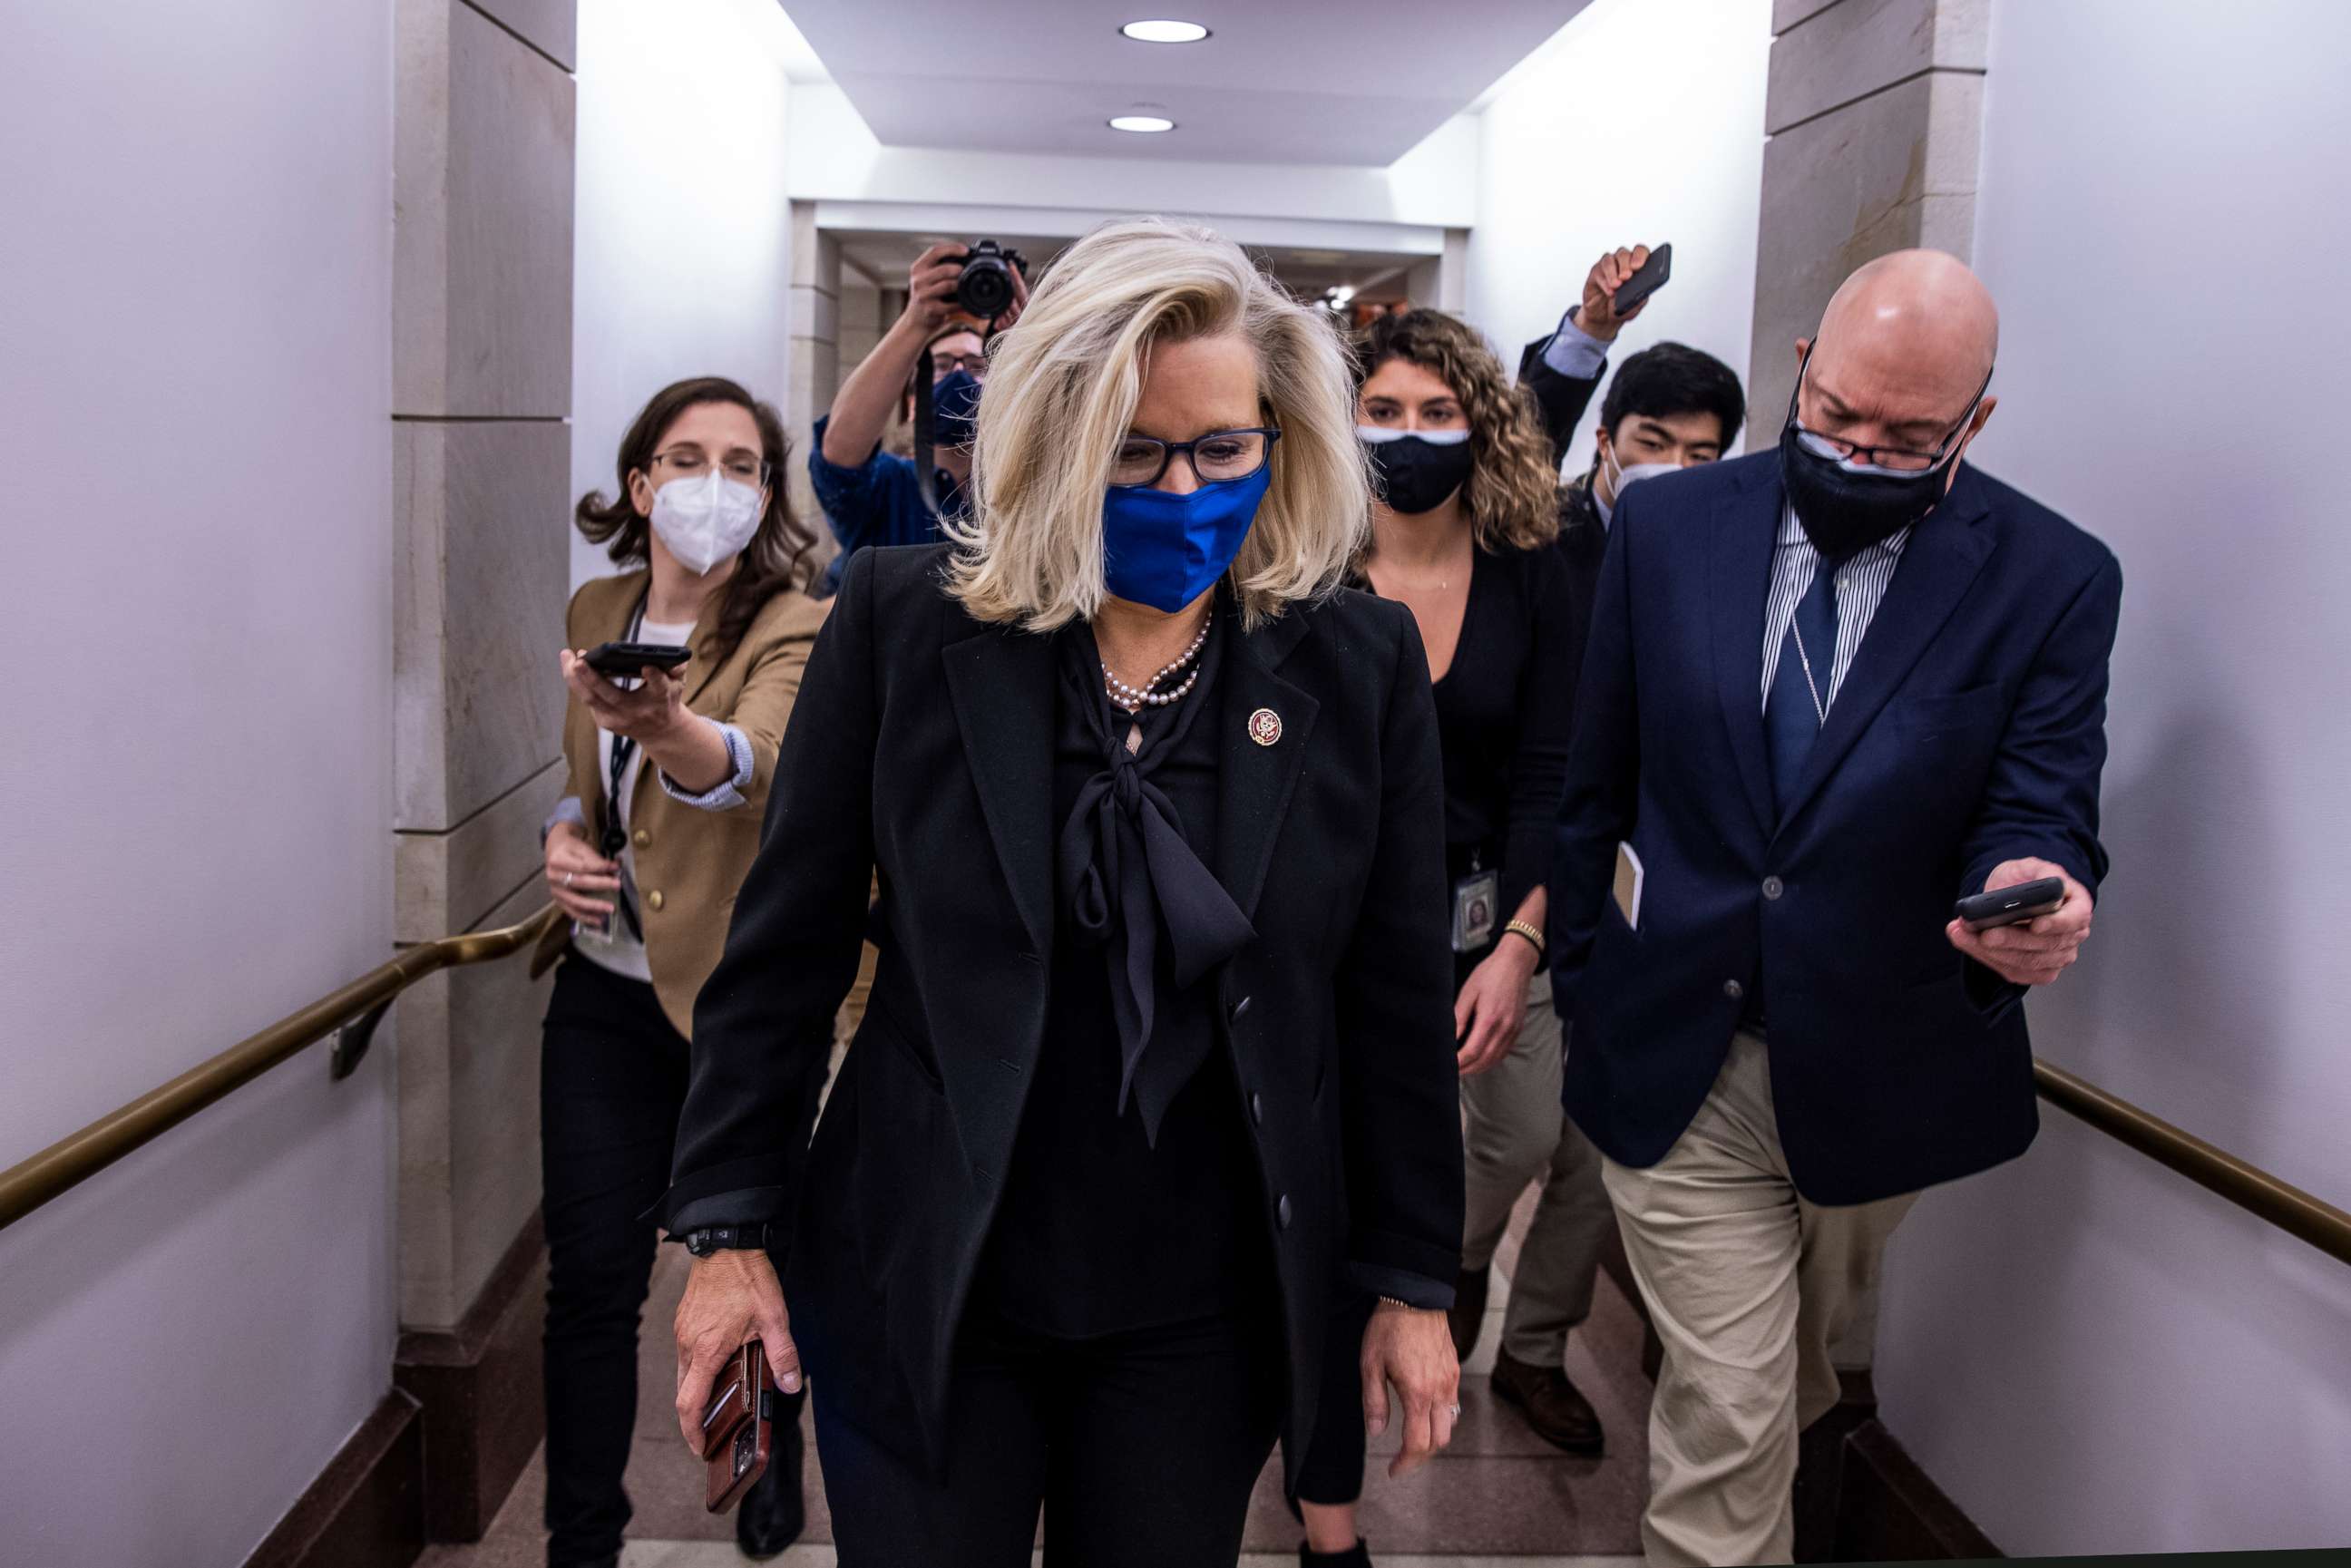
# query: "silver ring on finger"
{"type": "Point", "coordinates": [567, 879]}
{"type": "Point", "coordinates": [1456, 1412]}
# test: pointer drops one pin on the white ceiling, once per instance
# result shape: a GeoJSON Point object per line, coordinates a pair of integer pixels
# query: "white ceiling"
{"type": "Point", "coordinates": [1278, 82]}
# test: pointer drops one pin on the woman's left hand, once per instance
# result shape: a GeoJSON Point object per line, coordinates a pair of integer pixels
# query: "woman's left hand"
{"type": "Point", "coordinates": [1413, 1350]}
{"type": "Point", "coordinates": [1492, 1006]}
{"type": "Point", "coordinates": [655, 709]}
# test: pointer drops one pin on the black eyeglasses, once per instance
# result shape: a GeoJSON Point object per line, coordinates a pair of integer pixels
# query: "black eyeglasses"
{"type": "Point", "coordinates": [1216, 458]}
{"type": "Point", "coordinates": [1894, 459]}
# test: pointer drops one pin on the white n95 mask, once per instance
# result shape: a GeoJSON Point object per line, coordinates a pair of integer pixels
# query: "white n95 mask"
{"type": "Point", "coordinates": [706, 521]}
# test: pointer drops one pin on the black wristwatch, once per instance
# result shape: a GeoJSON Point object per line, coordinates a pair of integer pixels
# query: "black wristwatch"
{"type": "Point", "coordinates": [705, 1239]}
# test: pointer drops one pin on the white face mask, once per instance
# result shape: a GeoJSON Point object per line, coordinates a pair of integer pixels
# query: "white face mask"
{"type": "Point", "coordinates": [706, 520]}
{"type": "Point", "coordinates": [1619, 476]}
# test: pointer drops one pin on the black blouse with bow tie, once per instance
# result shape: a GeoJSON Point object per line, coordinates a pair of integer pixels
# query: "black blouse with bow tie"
{"type": "Point", "coordinates": [1104, 1226]}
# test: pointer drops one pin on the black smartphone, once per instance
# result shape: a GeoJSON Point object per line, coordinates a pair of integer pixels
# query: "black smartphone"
{"type": "Point", "coordinates": [2010, 905]}
{"type": "Point", "coordinates": [1654, 275]}
{"type": "Point", "coordinates": [627, 661]}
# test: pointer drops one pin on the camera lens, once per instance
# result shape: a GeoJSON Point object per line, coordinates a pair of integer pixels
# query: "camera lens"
{"type": "Point", "coordinates": [984, 286]}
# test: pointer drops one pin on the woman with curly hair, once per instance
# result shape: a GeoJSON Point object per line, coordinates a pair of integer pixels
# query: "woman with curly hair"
{"type": "Point", "coordinates": [1466, 535]}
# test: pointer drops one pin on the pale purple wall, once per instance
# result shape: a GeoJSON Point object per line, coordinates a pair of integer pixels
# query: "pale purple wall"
{"type": "Point", "coordinates": [195, 388]}
{"type": "Point", "coordinates": [2088, 1353]}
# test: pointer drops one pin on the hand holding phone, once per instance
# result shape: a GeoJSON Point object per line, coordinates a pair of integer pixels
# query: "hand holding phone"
{"type": "Point", "coordinates": [739, 1428]}
{"type": "Point", "coordinates": [2028, 925]}
{"type": "Point", "coordinates": [1619, 284]}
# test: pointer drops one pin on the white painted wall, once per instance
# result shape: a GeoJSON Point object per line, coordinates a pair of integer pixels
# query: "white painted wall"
{"type": "Point", "coordinates": [1641, 120]}
{"type": "Point", "coordinates": [682, 258]}
{"type": "Point", "coordinates": [2088, 1353]}
{"type": "Point", "coordinates": [196, 385]}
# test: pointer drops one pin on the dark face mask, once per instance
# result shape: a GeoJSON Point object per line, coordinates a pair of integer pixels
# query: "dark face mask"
{"type": "Point", "coordinates": [1415, 474]}
{"type": "Point", "coordinates": [1845, 509]}
{"type": "Point", "coordinates": [955, 408]}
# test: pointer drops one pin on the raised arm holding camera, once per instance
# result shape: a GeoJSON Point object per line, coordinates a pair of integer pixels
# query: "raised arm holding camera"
{"type": "Point", "coordinates": [938, 345]}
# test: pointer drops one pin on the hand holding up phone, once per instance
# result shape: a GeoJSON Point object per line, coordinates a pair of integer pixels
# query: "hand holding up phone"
{"type": "Point", "coordinates": [1601, 315]}
{"type": "Point", "coordinates": [652, 708]}
{"type": "Point", "coordinates": [2036, 951]}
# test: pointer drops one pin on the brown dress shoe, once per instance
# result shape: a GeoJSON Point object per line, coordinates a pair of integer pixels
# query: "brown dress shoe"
{"type": "Point", "coordinates": [1467, 1315]}
{"type": "Point", "coordinates": [1555, 1410]}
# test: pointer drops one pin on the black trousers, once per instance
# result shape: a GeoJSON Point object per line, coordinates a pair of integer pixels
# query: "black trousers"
{"type": "Point", "coordinates": [1333, 1472]}
{"type": "Point", "coordinates": [612, 1078]}
{"type": "Point", "coordinates": [1140, 1448]}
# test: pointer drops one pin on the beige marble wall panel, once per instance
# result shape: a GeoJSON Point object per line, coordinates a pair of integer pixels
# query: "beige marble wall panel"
{"type": "Point", "coordinates": [550, 26]}
{"type": "Point", "coordinates": [1865, 46]}
{"type": "Point", "coordinates": [484, 575]}
{"type": "Point", "coordinates": [815, 378]}
{"type": "Point", "coordinates": [1897, 169]}
{"type": "Point", "coordinates": [816, 254]}
{"type": "Point", "coordinates": [446, 882]}
{"type": "Point", "coordinates": [815, 313]}
{"type": "Point", "coordinates": [495, 1011]}
{"type": "Point", "coordinates": [482, 235]}
{"type": "Point", "coordinates": [469, 1053]}
{"type": "Point", "coordinates": [1786, 14]}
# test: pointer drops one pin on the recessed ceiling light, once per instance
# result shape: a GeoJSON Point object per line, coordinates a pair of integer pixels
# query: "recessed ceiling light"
{"type": "Point", "coordinates": [1164, 32]}
{"type": "Point", "coordinates": [1143, 124]}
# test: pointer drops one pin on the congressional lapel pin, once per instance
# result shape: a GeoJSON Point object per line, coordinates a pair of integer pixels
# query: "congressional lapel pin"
{"type": "Point", "coordinates": [1265, 726]}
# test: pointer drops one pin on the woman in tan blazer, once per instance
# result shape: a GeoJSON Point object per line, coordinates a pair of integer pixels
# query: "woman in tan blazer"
{"type": "Point", "coordinates": [669, 779]}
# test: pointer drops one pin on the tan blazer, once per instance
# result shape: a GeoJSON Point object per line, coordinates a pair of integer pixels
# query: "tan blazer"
{"type": "Point", "coordinates": [690, 861]}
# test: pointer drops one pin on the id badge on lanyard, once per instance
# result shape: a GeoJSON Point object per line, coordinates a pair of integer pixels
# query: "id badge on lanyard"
{"type": "Point", "coordinates": [1476, 901]}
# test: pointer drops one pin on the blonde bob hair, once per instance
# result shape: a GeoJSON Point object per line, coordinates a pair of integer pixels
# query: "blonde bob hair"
{"type": "Point", "coordinates": [1062, 387]}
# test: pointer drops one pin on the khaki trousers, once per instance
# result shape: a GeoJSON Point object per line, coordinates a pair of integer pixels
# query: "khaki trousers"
{"type": "Point", "coordinates": [1750, 1287]}
{"type": "Point", "coordinates": [1514, 1131]}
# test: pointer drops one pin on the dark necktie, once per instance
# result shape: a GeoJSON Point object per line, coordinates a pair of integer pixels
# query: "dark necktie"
{"type": "Point", "coordinates": [1798, 706]}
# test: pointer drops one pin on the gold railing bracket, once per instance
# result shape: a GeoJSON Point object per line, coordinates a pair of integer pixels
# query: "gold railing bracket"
{"type": "Point", "coordinates": [352, 1041]}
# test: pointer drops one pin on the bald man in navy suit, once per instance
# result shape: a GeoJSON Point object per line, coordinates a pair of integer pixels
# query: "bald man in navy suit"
{"type": "Point", "coordinates": [1830, 691]}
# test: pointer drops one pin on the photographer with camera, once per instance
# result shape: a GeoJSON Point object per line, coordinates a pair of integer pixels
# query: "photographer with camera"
{"type": "Point", "coordinates": [934, 358]}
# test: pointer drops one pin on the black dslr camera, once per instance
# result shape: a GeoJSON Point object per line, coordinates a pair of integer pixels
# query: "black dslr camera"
{"type": "Point", "coordinates": [984, 287]}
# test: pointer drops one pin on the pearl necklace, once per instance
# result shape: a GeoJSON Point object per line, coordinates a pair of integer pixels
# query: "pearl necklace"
{"type": "Point", "coordinates": [1133, 699]}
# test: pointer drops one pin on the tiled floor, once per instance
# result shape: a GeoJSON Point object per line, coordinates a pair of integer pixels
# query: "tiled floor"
{"type": "Point", "coordinates": [1498, 1498]}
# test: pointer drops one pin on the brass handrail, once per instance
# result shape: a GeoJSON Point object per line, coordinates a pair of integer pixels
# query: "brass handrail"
{"type": "Point", "coordinates": [77, 1156]}
{"type": "Point", "coordinates": [2250, 1187]}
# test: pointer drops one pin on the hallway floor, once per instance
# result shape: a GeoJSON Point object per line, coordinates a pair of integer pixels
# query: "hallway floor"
{"type": "Point", "coordinates": [1498, 1498]}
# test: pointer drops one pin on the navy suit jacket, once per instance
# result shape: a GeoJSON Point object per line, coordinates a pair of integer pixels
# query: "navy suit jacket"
{"type": "Point", "coordinates": [1970, 731]}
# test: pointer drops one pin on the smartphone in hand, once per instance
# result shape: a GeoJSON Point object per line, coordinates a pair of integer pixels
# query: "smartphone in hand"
{"type": "Point", "coordinates": [1655, 274]}
{"type": "Point", "coordinates": [627, 661]}
{"type": "Point", "coordinates": [2010, 905]}
{"type": "Point", "coordinates": [739, 1428]}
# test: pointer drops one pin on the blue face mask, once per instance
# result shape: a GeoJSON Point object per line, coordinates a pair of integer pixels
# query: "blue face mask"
{"type": "Point", "coordinates": [955, 408]}
{"type": "Point", "coordinates": [1165, 550]}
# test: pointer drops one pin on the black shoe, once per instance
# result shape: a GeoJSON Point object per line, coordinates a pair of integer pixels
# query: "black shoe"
{"type": "Point", "coordinates": [1359, 1555]}
{"type": "Point", "coordinates": [771, 1515]}
{"type": "Point", "coordinates": [1467, 1315]}
{"type": "Point", "coordinates": [1558, 1414]}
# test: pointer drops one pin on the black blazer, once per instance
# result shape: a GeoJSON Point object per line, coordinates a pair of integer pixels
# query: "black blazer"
{"type": "Point", "coordinates": [921, 744]}
{"type": "Point", "coordinates": [1559, 401]}
{"type": "Point", "coordinates": [1970, 731]}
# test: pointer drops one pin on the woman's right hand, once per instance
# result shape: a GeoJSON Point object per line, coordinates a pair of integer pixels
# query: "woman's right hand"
{"type": "Point", "coordinates": [732, 1298]}
{"type": "Point", "coordinates": [576, 875]}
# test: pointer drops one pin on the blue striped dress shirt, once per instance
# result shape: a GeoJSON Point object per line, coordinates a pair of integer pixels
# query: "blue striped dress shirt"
{"type": "Point", "coordinates": [1861, 585]}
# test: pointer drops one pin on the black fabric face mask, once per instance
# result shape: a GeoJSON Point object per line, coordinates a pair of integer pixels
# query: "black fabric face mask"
{"type": "Point", "coordinates": [1842, 511]}
{"type": "Point", "coordinates": [1417, 476]}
